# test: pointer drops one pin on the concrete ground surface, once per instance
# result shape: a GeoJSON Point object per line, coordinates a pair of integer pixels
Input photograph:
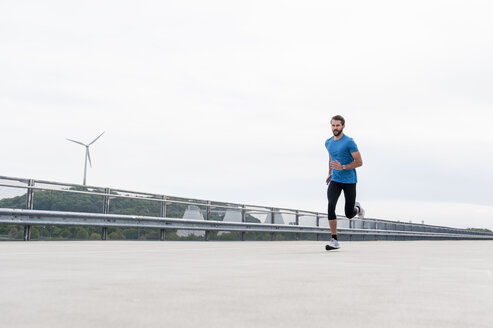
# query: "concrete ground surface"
{"type": "Point", "coordinates": [246, 284]}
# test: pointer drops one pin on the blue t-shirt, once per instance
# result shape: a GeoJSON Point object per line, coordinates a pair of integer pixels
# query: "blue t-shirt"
{"type": "Point", "coordinates": [340, 150]}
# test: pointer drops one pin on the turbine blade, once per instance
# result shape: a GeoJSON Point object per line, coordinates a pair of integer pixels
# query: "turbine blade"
{"type": "Point", "coordinates": [89, 156]}
{"type": "Point", "coordinates": [78, 142]}
{"type": "Point", "coordinates": [95, 139]}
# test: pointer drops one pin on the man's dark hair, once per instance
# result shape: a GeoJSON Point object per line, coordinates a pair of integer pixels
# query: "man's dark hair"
{"type": "Point", "coordinates": [338, 118]}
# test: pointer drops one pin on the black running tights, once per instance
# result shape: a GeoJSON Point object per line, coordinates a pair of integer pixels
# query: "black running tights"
{"type": "Point", "coordinates": [333, 193]}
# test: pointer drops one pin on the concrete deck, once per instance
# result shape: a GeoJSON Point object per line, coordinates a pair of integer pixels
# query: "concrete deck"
{"type": "Point", "coordinates": [246, 284]}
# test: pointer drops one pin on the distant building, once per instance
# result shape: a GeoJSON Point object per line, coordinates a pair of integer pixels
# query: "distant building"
{"type": "Point", "coordinates": [192, 213]}
{"type": "Point", "coordinates": [231, 215]}
{"type": "Point", "coordinates": [278, 219]}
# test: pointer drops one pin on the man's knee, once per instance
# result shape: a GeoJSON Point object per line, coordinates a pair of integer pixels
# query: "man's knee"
{"type": "Point", "coordinates": [350, 213]}
{"type": "Point", "coordinates": [332, 213]}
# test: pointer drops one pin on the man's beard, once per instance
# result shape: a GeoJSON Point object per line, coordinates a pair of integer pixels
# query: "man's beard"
{"type": "Point", "coordinates": [336, 132]}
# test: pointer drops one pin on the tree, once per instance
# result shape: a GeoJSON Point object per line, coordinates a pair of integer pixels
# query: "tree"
{"type": "Point", "coordinates": [95, 236]}
{"type": "Point", "coordinates": [81, 233]}
{"type": "Point", "coordinates": [116, 235]}
{"type": "Point", "coordinates": [13, 232]}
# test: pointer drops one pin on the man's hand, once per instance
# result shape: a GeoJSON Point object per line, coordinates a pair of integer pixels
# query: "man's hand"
{"type": "Point", "coordinates": [335, 165]}
{"type": "Point", "coordinates": [327, 180]}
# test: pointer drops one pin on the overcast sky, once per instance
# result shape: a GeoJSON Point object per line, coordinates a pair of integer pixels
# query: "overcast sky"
{"type": "Point", "coordinates": [231, 101]}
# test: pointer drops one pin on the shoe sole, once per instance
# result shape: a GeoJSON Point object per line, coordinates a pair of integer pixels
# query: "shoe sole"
{"type": "Point", "coordinates": [329, 248]}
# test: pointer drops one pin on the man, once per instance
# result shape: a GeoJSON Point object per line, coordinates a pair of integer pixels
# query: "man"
{"type": "Point", "coordinates": [344, 158]}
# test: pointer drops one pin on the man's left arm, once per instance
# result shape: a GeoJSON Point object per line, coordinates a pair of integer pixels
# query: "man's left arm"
{"type": "Point", "coordinates": [357, 161]}
{"type": "Point", "coordinates": [354, 164]}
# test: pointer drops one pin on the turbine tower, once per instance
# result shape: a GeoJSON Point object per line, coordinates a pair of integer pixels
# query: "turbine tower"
{"type": "Point", "coordinates": [88, 156]}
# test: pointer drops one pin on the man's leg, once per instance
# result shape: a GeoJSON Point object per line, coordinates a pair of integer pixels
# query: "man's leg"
{"type": "Point", "coordinates": [350, 194]}
{"type": "Point", "coordinates": [333, 193]}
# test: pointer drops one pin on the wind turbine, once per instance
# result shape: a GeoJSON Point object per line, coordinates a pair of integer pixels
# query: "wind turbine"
{"type": "Point", "coordinates": [88, 156]}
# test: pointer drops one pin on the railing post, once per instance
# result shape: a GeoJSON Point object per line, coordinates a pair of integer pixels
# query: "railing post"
{"type": "Point", "coordinates": [30, 194]}
{"type": "Point", "coordinates": [207, 218]}
{"type": "Point", "coordinates": [107, 201]}
{"type": "Point", "coordinates": [243, 220]}
{"type": "Point", "coordinates": [162, 213]}
{"type": "Point", "coordinates": [318, 225]}
{"type": "Point", "coordinates": [106, 210]}
{"type": "Point", "coordinates": [297, 222]}
{"type": "Point", "coordinates": [272, 222]}
{"type": "Point", "coordinates": [27, 232]}
{"type": "Point", "coordinates": [29, 206]}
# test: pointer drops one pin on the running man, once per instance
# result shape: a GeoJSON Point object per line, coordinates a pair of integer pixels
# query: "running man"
{"type": "Point", "coordinates": [344, 158]}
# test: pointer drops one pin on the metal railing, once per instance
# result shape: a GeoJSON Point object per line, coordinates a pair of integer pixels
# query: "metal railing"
{"type": "Point", "coordinates": [212, 216]}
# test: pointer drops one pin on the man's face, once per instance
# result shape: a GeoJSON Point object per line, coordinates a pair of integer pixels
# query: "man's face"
{"type": "Point", "coordinates": [337, 127]}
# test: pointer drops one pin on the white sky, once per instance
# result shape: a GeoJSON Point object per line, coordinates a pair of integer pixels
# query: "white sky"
{"type": "Point", "coordinates": [231, 101]}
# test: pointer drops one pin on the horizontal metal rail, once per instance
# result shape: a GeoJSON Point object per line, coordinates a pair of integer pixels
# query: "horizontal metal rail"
{"type": "Point", "coordinates": [56, 218]}
{"type": "Point", "coordinates": [167, 200]}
